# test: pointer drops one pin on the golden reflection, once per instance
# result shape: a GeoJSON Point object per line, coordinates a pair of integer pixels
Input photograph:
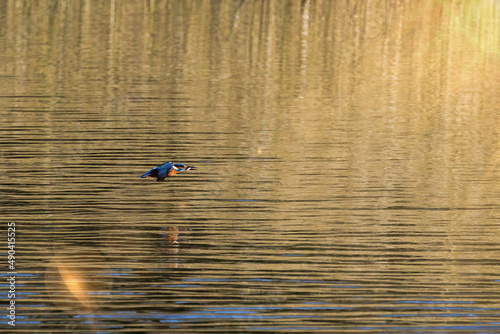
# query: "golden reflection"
{"type": "Point", "coordinates": [74, 284]}
{"type": "Point", "coordinates": [353, 107]}
{"type": "Point", "coordinates": [78, 280]}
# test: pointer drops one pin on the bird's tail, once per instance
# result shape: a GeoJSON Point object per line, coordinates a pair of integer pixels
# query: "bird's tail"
{"type": "Point", "coordinates": [147, 174]}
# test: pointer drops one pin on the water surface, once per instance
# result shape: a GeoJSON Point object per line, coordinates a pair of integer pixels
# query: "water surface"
{"type": "Point", "coordinates": [346, 161]}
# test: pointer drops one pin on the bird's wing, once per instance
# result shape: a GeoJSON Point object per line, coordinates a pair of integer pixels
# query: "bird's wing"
{"type": "Point", "coordinates": [163, 170]}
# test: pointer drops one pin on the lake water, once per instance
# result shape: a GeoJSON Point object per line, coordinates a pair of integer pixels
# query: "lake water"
{"type": "Point", "coordinates": [347, 166]}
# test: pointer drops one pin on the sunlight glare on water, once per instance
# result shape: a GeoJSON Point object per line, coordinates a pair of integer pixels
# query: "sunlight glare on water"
{"type": "Point", "coordinates": [346, 160]}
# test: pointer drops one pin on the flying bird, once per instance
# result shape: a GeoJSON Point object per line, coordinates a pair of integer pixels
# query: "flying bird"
{"type": "Point", "coordinates": [166, 170]}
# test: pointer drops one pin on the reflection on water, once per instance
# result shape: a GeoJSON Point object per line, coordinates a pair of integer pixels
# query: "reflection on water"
{"type": "Point", "coordinates": [346, 158]}
{"type": "Point", "coordinates": [77, 279]}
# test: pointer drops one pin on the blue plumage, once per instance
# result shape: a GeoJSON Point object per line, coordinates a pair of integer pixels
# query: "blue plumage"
{"type": "Point", "coordinates": [167, 169]}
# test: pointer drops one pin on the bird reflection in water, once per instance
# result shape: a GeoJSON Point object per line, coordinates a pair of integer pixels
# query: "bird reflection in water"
{"type": "Point", "coordinates": [171, 240]}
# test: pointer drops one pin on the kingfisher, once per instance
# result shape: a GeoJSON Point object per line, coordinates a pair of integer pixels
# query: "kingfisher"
{"type": "Point", "coordinates": [166, 170]}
